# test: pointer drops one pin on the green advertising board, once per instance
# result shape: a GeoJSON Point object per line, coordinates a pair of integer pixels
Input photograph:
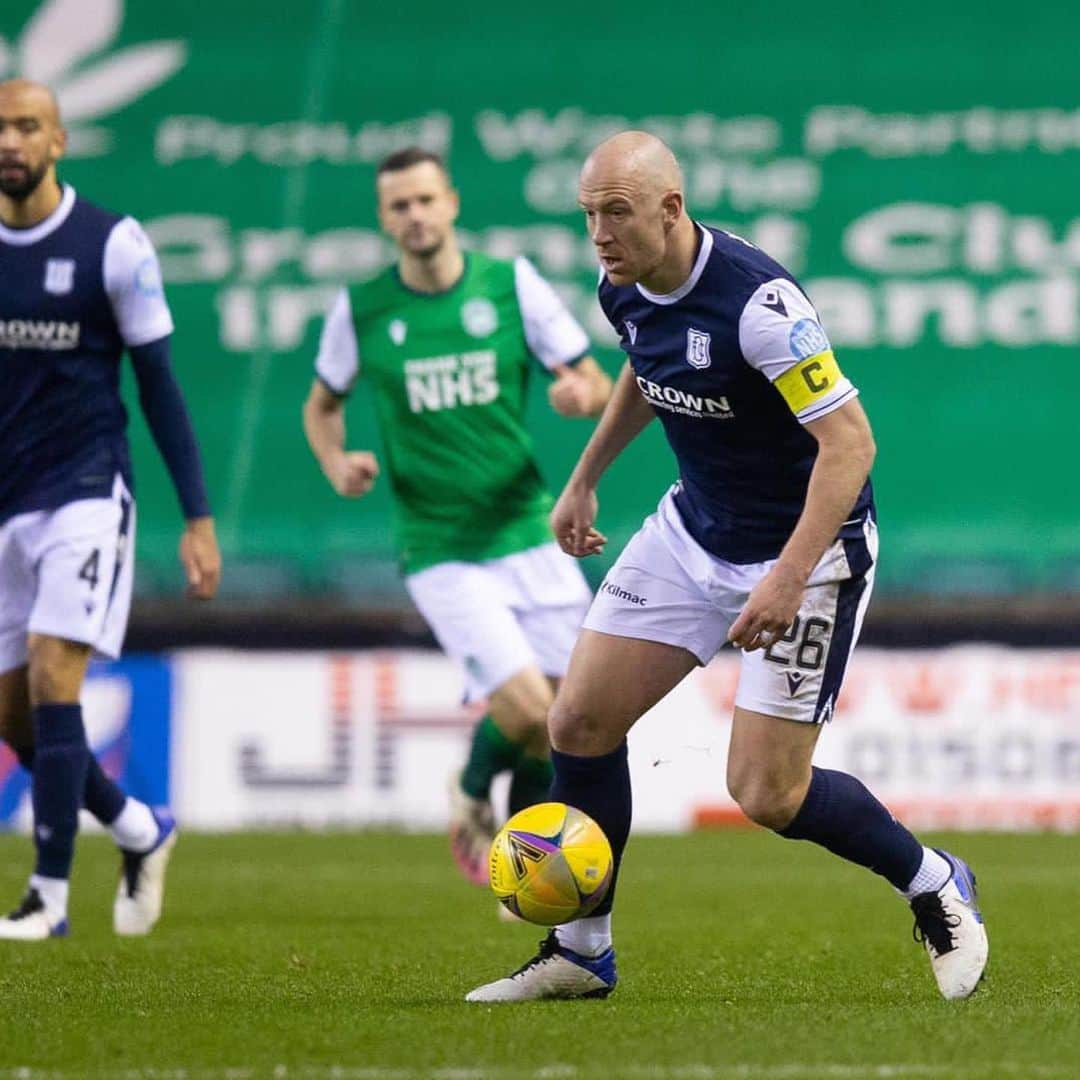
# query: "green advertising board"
{"type": "Point", "coordinates": [917, 168]}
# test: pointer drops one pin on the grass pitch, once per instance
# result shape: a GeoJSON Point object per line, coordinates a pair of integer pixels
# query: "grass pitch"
{"type": "Point", "coordinates": [346, 957]}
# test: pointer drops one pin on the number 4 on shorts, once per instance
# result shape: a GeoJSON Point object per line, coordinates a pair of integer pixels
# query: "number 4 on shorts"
{"type": "Point", "coordinates": [89, 571]}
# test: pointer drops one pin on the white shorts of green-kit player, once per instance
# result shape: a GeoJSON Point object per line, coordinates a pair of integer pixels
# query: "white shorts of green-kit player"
{"type": "Point", "coordinates": [498, 617]}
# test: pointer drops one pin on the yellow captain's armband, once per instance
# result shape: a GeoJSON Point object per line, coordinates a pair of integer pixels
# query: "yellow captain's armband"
{"type": "Point", "coordinates": [809, 380]}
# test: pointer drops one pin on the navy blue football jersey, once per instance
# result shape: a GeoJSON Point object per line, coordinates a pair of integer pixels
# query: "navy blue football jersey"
{"type": "Point", "coordinates": [75, 291]}
{"type": "Point", "coordinates": [734, 362]}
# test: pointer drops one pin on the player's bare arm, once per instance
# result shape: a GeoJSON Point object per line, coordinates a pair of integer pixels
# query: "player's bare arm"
{"type": "Point", "coordinates": [626, 416]}
{"type": "Point", "coordinates": [845, 453]}
{"type": "Point", "coordinates": [351, 473]}
{"type": "Point", "coordinates": [581, 390]}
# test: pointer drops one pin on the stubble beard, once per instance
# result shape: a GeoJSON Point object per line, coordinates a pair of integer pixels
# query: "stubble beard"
{"type": "Point", "coordinates": [428, 252]}
{"type": "Point", "coordinates": [21, 190]}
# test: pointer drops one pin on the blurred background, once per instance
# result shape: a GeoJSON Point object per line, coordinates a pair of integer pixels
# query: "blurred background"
{"type": "Point", "coordinates": [917, 171]}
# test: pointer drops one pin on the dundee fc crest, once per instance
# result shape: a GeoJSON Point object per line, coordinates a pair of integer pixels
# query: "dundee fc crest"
{"type": "Point", "coordinates": [697, 348]}
{"type": "Point", "coordinates": [59, 276]}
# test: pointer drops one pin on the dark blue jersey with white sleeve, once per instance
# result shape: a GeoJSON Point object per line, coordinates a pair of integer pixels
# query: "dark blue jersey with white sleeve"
{"type": "Point", "coordinates": [76, 290]}
{"type": "Point", "coordinates": [734, 363]}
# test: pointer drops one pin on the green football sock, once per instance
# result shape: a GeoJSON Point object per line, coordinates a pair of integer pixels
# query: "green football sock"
{"type": "Point", "coordinates": [530, 783]}
{"type": "Point", "coordinates": [491, 753]}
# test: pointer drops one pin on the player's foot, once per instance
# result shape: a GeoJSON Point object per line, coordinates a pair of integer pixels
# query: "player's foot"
{"type": "Point", "coordinates": [948, 922]}
{"type": "Point", "coordinates": [554, 972]}
{"type": "Point", "coordinates": [472, 828]}
{"type": "Point", "coordinates": [142, 882]}
{"type": "Point", "coordinates": [31, 922]}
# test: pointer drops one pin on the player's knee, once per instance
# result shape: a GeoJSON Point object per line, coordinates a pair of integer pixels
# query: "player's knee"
{"type": "Point", "coordinates": [574, 729]}
{"type": "Point", "coordinates": [55, 669]}
{"type": "Point", "coordinates": [535, 716]}
{"type": "Point", "coordinates": [769, 801]}
{"type": "Point", "coordinates": [46, 683]}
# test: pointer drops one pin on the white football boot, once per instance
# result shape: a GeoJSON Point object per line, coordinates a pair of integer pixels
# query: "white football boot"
{"type": "Point", "coordinates": [948, 922]}
{"type": "Point", "coordinates": [141, 891]}
{"type": "Point", "coordinates": [554, 972]}
{"type": "Point", "coordinates": [31, 922]}
{"type": "Point", "coordinates": [472, 829]}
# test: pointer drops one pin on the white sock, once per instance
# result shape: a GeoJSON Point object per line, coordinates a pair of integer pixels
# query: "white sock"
{"type": "Point", "coordinates": [135, 828]}
{"type": "Point", "coordinates": [54, 894]}
{"type": "Point", "coordinates": [933, 873]}
{"type": "Point", "coordinates": [588, 937]}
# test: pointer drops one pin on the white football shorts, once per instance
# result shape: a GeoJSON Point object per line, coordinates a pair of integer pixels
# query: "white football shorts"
{"type": "Point", "coordinates": [665, 587]}
{"type": "Point", "coordinates": [498, 617]}
{"type": "Point", "coordinates": [68, 573]}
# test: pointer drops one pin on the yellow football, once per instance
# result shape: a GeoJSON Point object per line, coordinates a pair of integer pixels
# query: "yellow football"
{"type": "Point", "coordinates": [551, 863]}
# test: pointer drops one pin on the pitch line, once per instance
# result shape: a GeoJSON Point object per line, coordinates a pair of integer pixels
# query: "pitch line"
{"type": "Point", "coordinates": [733, 1071]}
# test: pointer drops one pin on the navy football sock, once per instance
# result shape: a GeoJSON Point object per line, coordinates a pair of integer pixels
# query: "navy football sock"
{"type": "Point", "coordinates": [61, 757]}
{"type": "Point", "coordinates": [101, 796]}
{"type": "Point", "coordinates": [840, 814]}
{"type": "Point", "coordinates": [601, 787]}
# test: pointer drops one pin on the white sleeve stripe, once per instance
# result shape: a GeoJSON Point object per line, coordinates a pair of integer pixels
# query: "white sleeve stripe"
{"type": "Point", "coordinates": [553, 335]}
{"type": "Point", "coordinates": [338, 361]}
{"type": "Point", "coordinates": [777, 328]}
{"type": "Point", "coordinates": [132, 279]}
{"type": "Point", "coordinates": [823, 408]}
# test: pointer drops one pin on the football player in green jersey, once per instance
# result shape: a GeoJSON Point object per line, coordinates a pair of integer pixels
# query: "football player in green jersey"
{"type": "Point", "coordinates": [447, 341]}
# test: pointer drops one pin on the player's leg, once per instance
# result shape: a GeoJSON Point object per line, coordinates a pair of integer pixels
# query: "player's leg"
{"type": "Point", "coordinates": [771, 777]}
{"type": "Point", "coordinates": [123, 816]}
{"type": "Point", "coordinates": [520, 707]}
{"type": "Point", "coordinates": [469, 612]}
{"type": "Point", "coordinates": [595, 708]}
{"type": "Point", "coordinates": [512, 736]}
{"type": "Point", "coordinates": [785, 694]}
{"type": "Point", "coordinates": [61, 755]}
{"type": "Point", "coordinates": [145, 835]}
{"type": "Point", "coordinates": [78, 560]}
{"type": "Point", "coordinates": [43, 911]}
{"type": "Point", "coordinates": [553, 599]}
{"type": "Point", "coordinates": [650, 624]}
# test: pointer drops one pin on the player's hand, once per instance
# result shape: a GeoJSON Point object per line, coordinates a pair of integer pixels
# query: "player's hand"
{"type": "Point", "coordinates": [769, 610]}
{"type": "Point", "coordinates": [353, 473]}
{"type": "Point", "coordinates": [200, 557]}
{"type": "Point", "coordinates": [571, 394]}
{"type": "Point", "coordinates": [572, 523]}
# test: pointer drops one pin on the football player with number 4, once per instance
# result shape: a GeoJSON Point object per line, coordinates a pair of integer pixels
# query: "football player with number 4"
{"type": "Point", "coordinates": [80, 286]}
{"type": "Point", "coordinates": [767, 541]}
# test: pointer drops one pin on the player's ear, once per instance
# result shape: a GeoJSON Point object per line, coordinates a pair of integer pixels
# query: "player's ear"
{"type": "Point", "coordinates": [60, 140]}
{"type": "Point", "coordinates": [671, 206]}
{"type": "Point", "coordinates": [455, 202]}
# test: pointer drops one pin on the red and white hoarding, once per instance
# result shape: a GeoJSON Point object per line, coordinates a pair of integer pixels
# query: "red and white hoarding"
{"type": "Point", "coordinates": [966, 737]}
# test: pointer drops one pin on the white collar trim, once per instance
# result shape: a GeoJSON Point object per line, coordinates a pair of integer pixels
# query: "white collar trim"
{"type": "Point", "coordinates": [25, 237]}
{"type": "Point", "coordinates": [691, 281]}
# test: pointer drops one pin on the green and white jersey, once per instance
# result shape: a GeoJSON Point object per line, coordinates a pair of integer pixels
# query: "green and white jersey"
{"type": "Point", "coordinates": [449, 373]}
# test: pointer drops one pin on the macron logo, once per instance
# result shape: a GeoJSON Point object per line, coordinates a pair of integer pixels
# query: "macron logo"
{"type": "Point", "coordinates": [50, 335]}
{"type": "Point", "coordinates": [622, 594]}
